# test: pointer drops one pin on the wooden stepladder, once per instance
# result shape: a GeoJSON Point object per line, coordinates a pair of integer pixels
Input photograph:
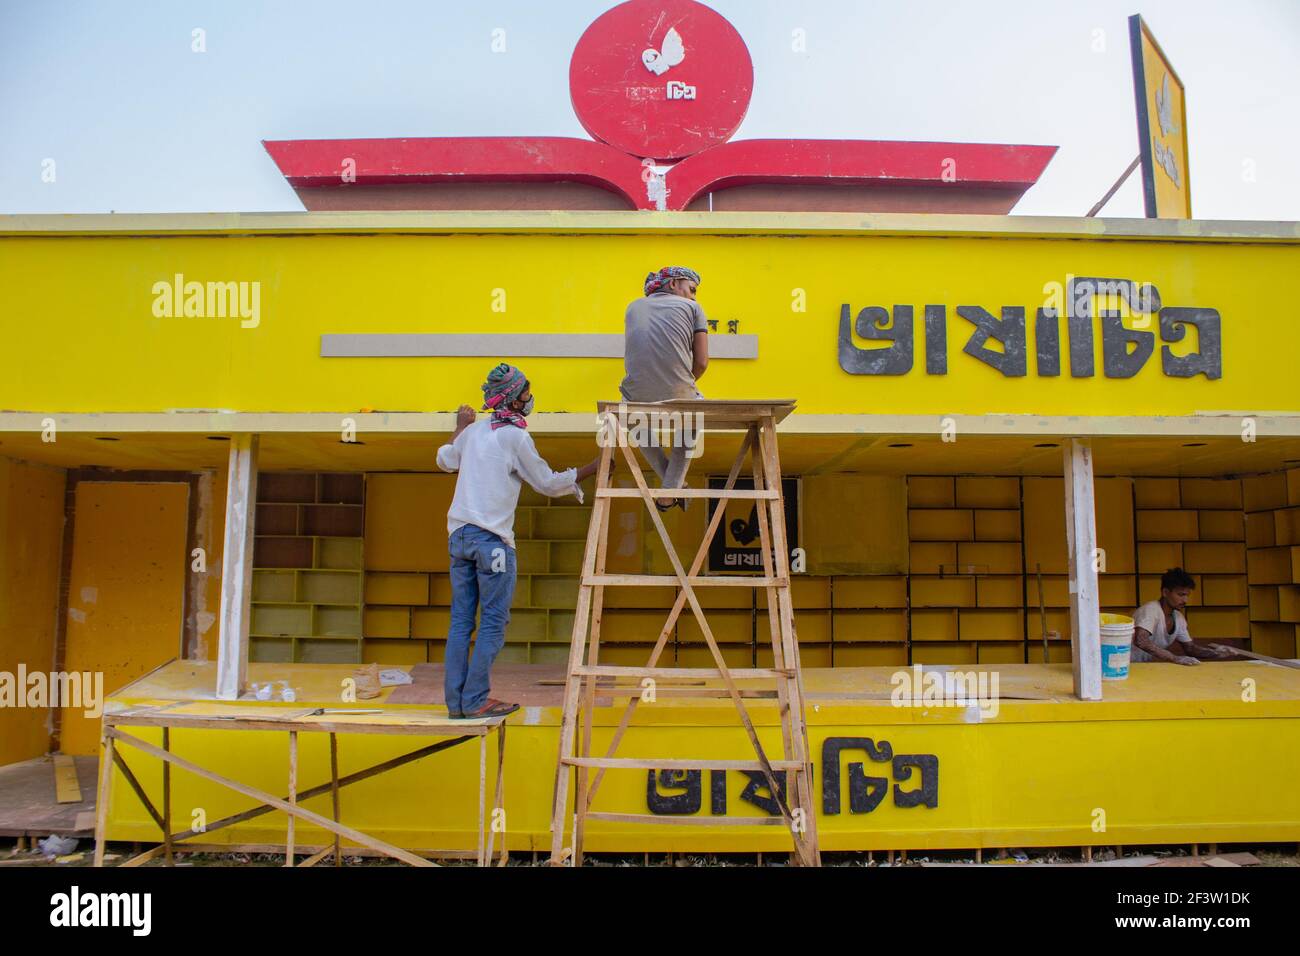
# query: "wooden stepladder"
{"type": "Point", "coordinates": [788, 779]}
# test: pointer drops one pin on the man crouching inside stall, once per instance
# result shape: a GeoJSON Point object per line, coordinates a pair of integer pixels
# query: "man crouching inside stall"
{"type": "Point", "coordinates": [491, 457]}
{"type": "Point", "coordinates": [1160, 629]}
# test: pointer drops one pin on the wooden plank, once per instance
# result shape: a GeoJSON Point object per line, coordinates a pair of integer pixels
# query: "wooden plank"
{"type": "Point", "coordinates": [1081, 541]}
{"type": "Point", "coordinates": [139, 790]}
{"type": "Point", "coordinates": [237, 567]}
{"type": "Point", "coordinates": [739, 673]}
{"type": "Point", "coordinates": [693, 763]}
{"type": "Point", "coordinates": [142, 858]}
{"type": "Point", "coordinates": [1258, 657]}
{"type": "Point", "coordinates": [167, 798]}
{"type": "Point", "coordinates": [334, 795]}
{"type": "Point", "coordinates": [738, 493]}
{"type": "Point", "coordinates": [293, 796]}
{"type": "Point", "coordinates": [680, 820]}
{"type": "Point", "coordinates": [66, 787]}
{"type": "Point", "coordinates": [102, 794]}
{"type": "Point", "coordinates": [323, 822]}
{"type": "Point", "coordinates": [668, 580]}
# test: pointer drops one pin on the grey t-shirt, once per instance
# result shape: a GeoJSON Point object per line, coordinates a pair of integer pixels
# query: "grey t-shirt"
{"type": "Point", "coordinates": [1151, 618]}
{"type": "Point", "coordinates": [659, 335]}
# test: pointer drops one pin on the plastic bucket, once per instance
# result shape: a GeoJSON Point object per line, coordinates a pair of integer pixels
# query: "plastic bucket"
{"type": "Point", "coordinates": [1116, 646]}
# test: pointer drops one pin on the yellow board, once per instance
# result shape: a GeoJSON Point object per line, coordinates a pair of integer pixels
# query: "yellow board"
{"type": "Point", "coordinates": [316, 284]}
{"type": "Point", "coordinates": [31, 523]}
{"type": "Point", "coordinates": [1033, 773]}
{"type": "Point", "coordinates": [126, 591]}
{"type": "Point", "coordinates": [1162, 127]}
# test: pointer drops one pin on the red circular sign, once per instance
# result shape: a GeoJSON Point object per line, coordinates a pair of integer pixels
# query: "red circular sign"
{"type": "Point", "coordinates": [661, 79]}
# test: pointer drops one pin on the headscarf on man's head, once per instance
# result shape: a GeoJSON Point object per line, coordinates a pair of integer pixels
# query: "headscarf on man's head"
{"type": "Point", "coordinates": [658, 281]}
{"type": "Point", "coordinates": [504, 384]}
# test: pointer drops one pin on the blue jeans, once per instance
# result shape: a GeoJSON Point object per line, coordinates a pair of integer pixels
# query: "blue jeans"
{"type": "Point", "coordinates": [482, 573]}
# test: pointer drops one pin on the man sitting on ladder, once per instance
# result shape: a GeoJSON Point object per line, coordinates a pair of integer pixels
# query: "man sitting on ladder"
{"type": "Point", "coordinates": [491, 457]}
{"type": "Point", "coordinates": [665, 350]}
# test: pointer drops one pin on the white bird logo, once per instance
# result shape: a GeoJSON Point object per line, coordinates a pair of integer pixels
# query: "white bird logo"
{"type": "Point", "coordinates": [658, 62]}
{"type": "Point", "coordinates": [1165, 108]}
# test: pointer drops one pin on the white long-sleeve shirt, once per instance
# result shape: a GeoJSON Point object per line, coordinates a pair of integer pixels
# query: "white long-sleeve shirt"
{"type": "Point", "coordinates": [492, 463]}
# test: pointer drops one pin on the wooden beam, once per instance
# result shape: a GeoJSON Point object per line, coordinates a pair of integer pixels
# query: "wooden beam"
{"type": "Point", "coordinates": [1081, 538]}
{"type": "Point", "coordinates": [237, 567]}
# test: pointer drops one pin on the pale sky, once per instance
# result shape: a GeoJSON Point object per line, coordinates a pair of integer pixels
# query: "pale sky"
{"type": "Point", "coordinates": [136, 121]}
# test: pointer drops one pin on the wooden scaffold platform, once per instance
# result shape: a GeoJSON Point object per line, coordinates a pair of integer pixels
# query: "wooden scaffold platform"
{"type": "Point", "coordinates": [758, 420]}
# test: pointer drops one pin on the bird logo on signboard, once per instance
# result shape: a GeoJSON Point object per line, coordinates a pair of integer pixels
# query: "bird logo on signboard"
{"type": "Point", "coordinates": [1165, 108]}
{"type": "Point", "coordinates": [658, 62]}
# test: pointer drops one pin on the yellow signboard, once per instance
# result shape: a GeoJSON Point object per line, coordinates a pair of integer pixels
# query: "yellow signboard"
{"type": "Point", "coordinates": [1162, 127]}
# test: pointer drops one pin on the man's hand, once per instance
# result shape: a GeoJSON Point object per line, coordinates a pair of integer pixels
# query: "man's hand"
{"type": "Point", "coordinates": [1185, 660]}
{"type": "Point", "coordinates": [465, 416]}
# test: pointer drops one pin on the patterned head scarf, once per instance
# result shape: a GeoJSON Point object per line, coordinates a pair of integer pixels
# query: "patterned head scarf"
{"type": "Point", "coordinates": [504, 384]}
{"type": "Point", "coordinates": [658, 281]}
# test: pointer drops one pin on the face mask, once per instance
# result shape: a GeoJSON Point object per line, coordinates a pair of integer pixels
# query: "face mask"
{"type": "Point", "coordinates": [528, 406]}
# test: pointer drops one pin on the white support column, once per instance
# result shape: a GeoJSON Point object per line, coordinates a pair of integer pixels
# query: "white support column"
{"type": "Point", "coordinates": [1081, 538]}
{"type": "Point", "coordinates": [237, 567]}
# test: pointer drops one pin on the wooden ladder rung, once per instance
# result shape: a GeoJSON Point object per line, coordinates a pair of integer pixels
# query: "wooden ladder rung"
{"type": "Point", "coordinates": [745, 493]}
{"type": "Point", "coordinates": [707, 693]}
{"type": "Point", "coordinates": [738, 673]}
{"type": "Point", "coordinates": [679, 820]}
{"type": "Point", "coordinates": [664, 763]}
{"type": "Point", "coordinates": [697, 581]}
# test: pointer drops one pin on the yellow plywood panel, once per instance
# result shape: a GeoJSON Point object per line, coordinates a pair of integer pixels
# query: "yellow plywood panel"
{"type": "Point", "coordinates": [1224, 589]}
{"type": "Point", "coordinates": [1222, 525]}
{"type": "Point", "coordinates": [67, 789]}
{"type": "Point", "coordinates": [930, 557]}
{"type": "Point", "coordinates": [1213, 622]}
{"type": "Point", "coordinates": [1274, 639]}
{"type": "Point", "coordinates": [810, 655]}
{"type": "Point", "coordinates": [988, 493]}
{"type": "Point", "coordinates": [641, 627]}
{"type": "Point", "coordinates": [1260, 529]}
{"type": "Point", "coordinates": [942, 592]}
{"type": "Point", "coordinates": [1286, 524]}
{"type": "Point", "coordinates": [386, 622]}
{"type": "Point", "coordinates": [406, 521]}
{"type": "Point", "coordinates": [990, 557]}
{"type": "Point", "coordinates": [854, 524]}
{"type": "Point", "coordinates": [869, 655]}
{"type": "Point", "coordinates": [930, 492]}
{"type": "Point", "coordinates": [1167, 526]}
{"type": "Point", "coordinates": [997, 525]}
{"type": "Point", "coordinates": [628, 525]}
{"type": "Point", "coordinates": [734, 627]}
{"type": "Point", "coordinates": [1010, 653]}
{"type": "Point", "coordinates": [440, 590]}
{"type": "Point", "coordinates": [1288, 603]}
{"type": "Point", "coordinates": [1001, 590]}
{"type": "Point", "coordinates": [1045, 523]}
{"type": "Point", "coordinates": [1159, 556]}
{"type": "Point", "coordinates": [698, 655]}
{"type": "Point", "coordinates": [934, 625]}
{"type": "Point", "coordinates": [1293, 486]}
{"type": "Point", "coordinates": [940, 524]}
{"type": "Point", "coordinates": [990, 625]}
{"type": "Point", "coordinates": [1211, 493]}
{"type": "Point", "coordinates": [1264, 492]}
{"type": "Point", "coordinates": [435, 622]}
{"type": "Point", "coordinates": [647, 597]}
{"type": "Point", "coordinates": [1216, 557]}
{"type": "Point", "coordinates": [561, 523]}
{"type": "Point", "coordinates": [31, 540]}
{"type": "Point", "coordinates": [944, 653]}
{"type": "Point", "coordinates": [806, 591]}
{"type": "Point", "coordinates": [566, 556]}
{"type": "Point", "coordinates": [1117, 589]}
{"type": "Point", "coordinates": [870, 625]}
{"type": "Point", "coordinates": [394, 652]}
{"type": "Point", "coordinates": [626, 655]}
{"type": "Point", "coordinates": [1264, 603]}
{"type": "Point", "coordinates": [883, 591]}
{"type": "Point", "coordinates": [127, 588]}
{"type": "Point", "coordinates": [813, 627]}
{"type": "Point", "coordinates": [1156, 492]}
{"type": "Point", "coordinates": [553, 590]}
{"type": "Point", "coordinates": [1058, 624]}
